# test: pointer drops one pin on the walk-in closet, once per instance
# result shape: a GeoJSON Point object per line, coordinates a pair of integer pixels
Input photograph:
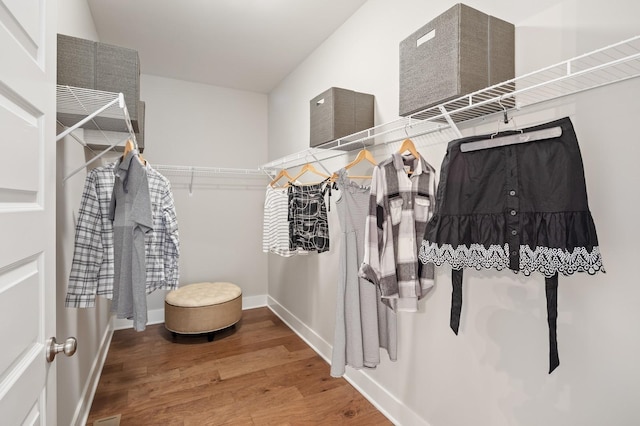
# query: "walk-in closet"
{"type": "Point", "coordinates": [363, 212]}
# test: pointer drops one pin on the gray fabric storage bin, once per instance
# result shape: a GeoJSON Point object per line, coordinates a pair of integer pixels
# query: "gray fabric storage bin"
{"type": "Point", "coordinates": [458, 52]}
{"type": "Point", "coordinates": [76, 62]}
{"type": "Point", "coordinates": [100, 66]}
{"type": "Point", "coordinates": [96, 140]}
{"type": "Point", "coordinates": [339, 112]}
{"type": "Point", "coordinates": [118, 70]}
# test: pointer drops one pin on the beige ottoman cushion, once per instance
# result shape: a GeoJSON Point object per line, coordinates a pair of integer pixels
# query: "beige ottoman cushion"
{"type": "Point", "coordinates": [202, 307]}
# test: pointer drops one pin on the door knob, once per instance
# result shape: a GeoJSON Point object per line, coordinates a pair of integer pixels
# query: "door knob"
{"type": "Point", "coordinates": [68, 347]}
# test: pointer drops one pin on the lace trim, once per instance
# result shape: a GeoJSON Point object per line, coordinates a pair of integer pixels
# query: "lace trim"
{"type": "Point", "coordinates": [545, 260]}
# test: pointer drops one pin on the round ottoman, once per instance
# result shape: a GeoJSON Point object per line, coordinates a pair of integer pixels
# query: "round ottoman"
{"type": "Point", "coordinates": [202, 308]}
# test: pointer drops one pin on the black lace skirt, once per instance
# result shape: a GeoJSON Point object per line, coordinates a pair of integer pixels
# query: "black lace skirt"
{"type": "Point", "coordinates": [522, 207]}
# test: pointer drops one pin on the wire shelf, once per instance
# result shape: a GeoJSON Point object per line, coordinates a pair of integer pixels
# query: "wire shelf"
{"type": "Point", "coordinates": [608, 65]}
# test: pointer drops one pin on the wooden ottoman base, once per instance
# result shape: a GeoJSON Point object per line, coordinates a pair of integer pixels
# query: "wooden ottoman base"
{"type": "Point", "coordinates": [208, 311]}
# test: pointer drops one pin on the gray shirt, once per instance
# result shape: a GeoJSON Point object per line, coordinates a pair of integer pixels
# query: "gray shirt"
{"type": "Point", "coordinates": [130, 211]}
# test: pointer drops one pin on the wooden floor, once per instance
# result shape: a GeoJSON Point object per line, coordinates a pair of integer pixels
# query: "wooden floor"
{"type": "Point", "coordinates": [257, 373]}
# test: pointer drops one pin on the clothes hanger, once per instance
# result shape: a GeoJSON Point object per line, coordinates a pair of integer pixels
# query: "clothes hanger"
{"type": "Point", "coordinates": [130, 146]}
{"type": "Point", "coordinates": [407, 145]}
{"type": "Point", "coordinates": [309, 168]}
{"type": "Point", "coordinates": [282, 173]}
{"type": "Point", "coordinates": [364, 154]}
{"type": "Point", "coordinates": [516, 138]}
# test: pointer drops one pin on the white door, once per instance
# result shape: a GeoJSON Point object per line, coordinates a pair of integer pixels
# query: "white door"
{"type": "Point", "coordinates": [27, 210]}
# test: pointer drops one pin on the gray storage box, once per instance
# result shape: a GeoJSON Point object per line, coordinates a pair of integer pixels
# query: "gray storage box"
{"type": "Point", "coordinates": [339, 112]}
{"type": "Point", "coordinates": [76, 62]}
{"type": "Point", "coordinates": [459, 52]}
{"type": "Point", "coordinates": [99, 66]}
{"type": "Point", "coordinates": [96, 139]}
{"type": "Point", "coordinates": [118, 70]}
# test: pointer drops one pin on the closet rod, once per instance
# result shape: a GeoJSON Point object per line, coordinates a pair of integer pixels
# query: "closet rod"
{"type": "Point", "coordinates": [336, 152]}
{"type": "Point", "coordinates": [189, 170]}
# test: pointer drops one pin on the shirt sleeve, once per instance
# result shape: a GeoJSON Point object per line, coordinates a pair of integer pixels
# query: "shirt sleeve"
{"type": "Point", "coordinates": [373, 232]}
{"type": "Point", "coordinates": [88, 250]}
{"type": "Point", "coordinates": [171, 240]}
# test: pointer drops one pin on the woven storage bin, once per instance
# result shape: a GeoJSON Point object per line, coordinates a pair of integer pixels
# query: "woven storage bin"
{"type": "Point", "coordinates": [96, 140]}
{"type": "Point", "coordinates": [458, 52]}
{"type": "Point", "coordinates": [339, 112]}
{"type": "Point", "coordinates": [118, 70]}
{"type": "Point", "coordinates": [100, 66]}
{"type": "Point", "coordinates": [76, 62]}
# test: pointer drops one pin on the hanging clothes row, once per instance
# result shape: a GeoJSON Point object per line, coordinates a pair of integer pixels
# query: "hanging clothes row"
{"type": "Point", "coordinates": [126, 244]}
{"type": "Point", "coordinates": [295, 216]}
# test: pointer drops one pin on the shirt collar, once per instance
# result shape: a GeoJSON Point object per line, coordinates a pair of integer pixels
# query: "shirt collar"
{"type": "Point", "coordinates": [398, 163]}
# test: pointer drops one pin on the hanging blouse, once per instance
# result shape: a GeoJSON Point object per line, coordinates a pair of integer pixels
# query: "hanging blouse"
{"type": "Point", "coordinates": [308, 223]}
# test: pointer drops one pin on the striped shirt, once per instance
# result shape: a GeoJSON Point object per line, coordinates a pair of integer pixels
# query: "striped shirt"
{"type": "Point", "coordinates": [399, 207]}
{"type": "Point", "coordinates": [92, 268]}
{"type": "Point", "coordinates": [275, 225]}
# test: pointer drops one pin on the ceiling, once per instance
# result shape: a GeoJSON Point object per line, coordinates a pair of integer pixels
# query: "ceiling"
{"type": "Point", "coordinates": [241, 44]}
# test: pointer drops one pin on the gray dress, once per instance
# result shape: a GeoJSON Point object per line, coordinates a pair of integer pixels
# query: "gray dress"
{"type": "Point", "coordinates": [363, 323]}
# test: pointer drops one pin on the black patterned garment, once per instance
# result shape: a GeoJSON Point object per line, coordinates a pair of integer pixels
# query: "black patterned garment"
{"type": "Point", "coordinates": [308, 224]}
{"type": "Point", "coordinates": [521, 206]}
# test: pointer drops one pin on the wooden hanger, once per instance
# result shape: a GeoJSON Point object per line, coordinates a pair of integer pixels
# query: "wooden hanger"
{"type": "Point", "coordinates": [130, 146]}
{"type": "Point", "coordinates": [364, 154]}
{"type": "Point", "coordinates": [308, 168]}
{"type": "Point", "coordinates": [407, 145]}
{"type": "Point", "coordinates": [282, 173]}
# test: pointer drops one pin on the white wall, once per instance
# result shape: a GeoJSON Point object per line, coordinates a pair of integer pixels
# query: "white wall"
{"type": "Point", "coordinates": [220, 220]}
{"type": "Point", "coordinates": [495, 371]}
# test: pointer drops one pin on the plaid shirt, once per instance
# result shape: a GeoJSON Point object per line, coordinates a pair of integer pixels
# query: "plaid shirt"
{"type": "Point", "coordinates": [399, 208]}
{"type": "Point", "coordinates": [92, 269]}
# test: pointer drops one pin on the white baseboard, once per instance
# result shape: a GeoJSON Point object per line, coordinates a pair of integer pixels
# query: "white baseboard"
{"type": "Point", "coordinates": [156, 316]}
{"type": "Point", "coordinates": [88, 392]}
{"type": "Point", "coordinates": [394, 409]}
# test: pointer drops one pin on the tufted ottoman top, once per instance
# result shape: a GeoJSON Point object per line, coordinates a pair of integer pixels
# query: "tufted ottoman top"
{"type": "Point", "coordinates": [203, 294]}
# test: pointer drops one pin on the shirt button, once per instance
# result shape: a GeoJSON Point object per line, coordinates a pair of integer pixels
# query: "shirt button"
{"type": "Point", "coordinates": [513, 253]}
{"type": "Point", "coordinates": [514, 232]}
{"type": "Point", "coordinates": [512, 192]}
{"type": "Point", "coordinates": [513, 212]}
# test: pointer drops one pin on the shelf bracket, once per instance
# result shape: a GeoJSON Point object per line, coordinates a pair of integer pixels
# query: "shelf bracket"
{"type": "Point", "coordinates": [452, 124]}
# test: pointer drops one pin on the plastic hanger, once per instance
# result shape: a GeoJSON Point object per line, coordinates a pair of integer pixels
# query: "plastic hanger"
{"type": "Point", "coordinates": [536, 135]}
{"type": "Point", "coordinates": [282, 173]}
{"type": "Point", "coordinates": [515, 138]}
{"type": "Point", "coordinates": [364, 154]}
{"type": "Point", "coordinates": [308, 168]}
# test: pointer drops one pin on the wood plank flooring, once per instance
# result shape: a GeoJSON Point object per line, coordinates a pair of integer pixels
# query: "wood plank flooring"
{"type": "Point", "coordinates": [257, 373]}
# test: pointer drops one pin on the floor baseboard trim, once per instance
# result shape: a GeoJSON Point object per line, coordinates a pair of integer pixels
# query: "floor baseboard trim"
{"type": "Point", "coordinates": [396, 411]}
{"type": "Point", "coordinates": [84, 405]}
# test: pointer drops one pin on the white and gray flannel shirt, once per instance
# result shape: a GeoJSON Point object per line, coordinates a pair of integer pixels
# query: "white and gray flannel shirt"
{"type": "Point", "coordinates": [399, 207]}
{"type": "Point", "coordinates": [92, 269]}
